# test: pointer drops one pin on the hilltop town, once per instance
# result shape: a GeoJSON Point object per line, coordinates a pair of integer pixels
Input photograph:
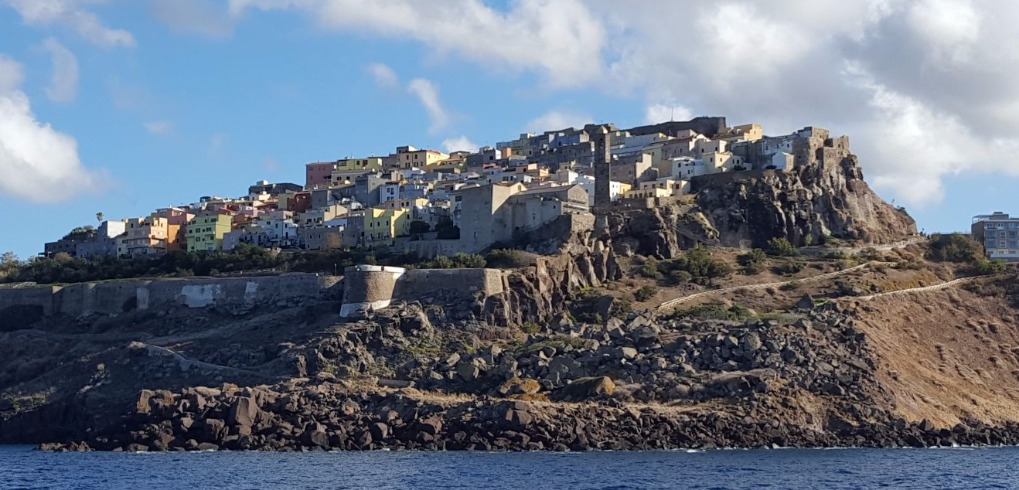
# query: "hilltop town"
{"type": "Point", "coordinates": [430, 203]}
{"type": "Point", "coordinates": [680, 285]}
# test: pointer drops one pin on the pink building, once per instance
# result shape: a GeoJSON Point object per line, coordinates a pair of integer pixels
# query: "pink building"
{"type": "Point", "coordinates": [318, 173]}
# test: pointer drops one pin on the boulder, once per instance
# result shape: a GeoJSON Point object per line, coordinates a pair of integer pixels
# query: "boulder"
{"type": "Point", "coordinates": [584, 389]}
{"type": "Point", "coordinates": [806, 302]}
{"type": "Point", "coordinates": [243, 412]}
{"type": "Point", "coordinates": [519, 386]}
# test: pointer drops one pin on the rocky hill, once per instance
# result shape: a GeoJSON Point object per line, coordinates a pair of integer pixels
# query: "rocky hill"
{"type": "Point", "coordinates": [806, 205]}
{"type": "Point", "coordinates": [832, 354]}
{"type": "Point", "coordinates": [626, 338]}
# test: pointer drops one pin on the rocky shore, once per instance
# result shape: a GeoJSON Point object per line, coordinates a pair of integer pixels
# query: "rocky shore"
{"type": "Point", "coordinates": [395, 381]}
{"type": "Point", "coordinates": [323, 415]}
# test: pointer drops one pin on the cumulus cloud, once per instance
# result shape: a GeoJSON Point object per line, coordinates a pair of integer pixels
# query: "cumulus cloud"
{"type": "Point", "coordinates": [63, 85]}
{"type": "Point", "coordinates": [553, 120]}
{"type": "Point", "coordinates": [460, 143]}
{"type": "Point", "coordinates": [196, 16]}
{"type": "Point", "coordinates": [384, 76]}
{"type": "Point", "coordinates": [428, 94]}
{"type": "Point", "coordinates": [561, 39]}
{"type": "Point", "coordinates": [38, 163]}
{"type": "Point", "coordinates": [661, 112]}
{"type": "Point", "coordinates": [71, 13]}
{"type": "Point", "coordinates": [159, 127]}
{"type": "Point", "coordinates": [932, 84]}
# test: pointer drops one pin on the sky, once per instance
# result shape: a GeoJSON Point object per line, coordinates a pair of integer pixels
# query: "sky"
{"type": "Point", "coordinates": [124, 106]}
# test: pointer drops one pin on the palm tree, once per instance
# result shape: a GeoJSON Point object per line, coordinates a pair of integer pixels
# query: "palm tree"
{"type": "Point", "coordinates": [100, 216]}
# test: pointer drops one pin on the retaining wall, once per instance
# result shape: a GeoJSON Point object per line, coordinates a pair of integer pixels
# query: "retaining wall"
{"type": "Point", "coordinates": [374, 287]}
{"type": "Point", "coordinates": [112, 297]}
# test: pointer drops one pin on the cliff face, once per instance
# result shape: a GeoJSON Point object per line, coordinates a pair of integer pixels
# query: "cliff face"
{"type": "Point", "coordinates": [538, 293]}
{"type": "Point", "coordinates": [826, 197]}
{"type": "Point", "coordinates": [803, 206]}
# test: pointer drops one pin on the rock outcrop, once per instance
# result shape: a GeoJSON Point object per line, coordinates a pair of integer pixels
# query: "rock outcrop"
{"type": "Point", "coordinates": [803, 205]}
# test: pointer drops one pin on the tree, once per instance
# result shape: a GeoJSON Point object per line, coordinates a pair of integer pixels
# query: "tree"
{"type": "Point", "coordinates": [446, 229]}
{"type": "Point", "coordinates": [418, 227]}
{"type": "Point", "coordinates": [9, 261]}
{"type": "Point", "coordinates": [100, 216]}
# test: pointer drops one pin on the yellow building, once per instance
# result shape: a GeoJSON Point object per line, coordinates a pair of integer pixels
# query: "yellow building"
{"type": "Point", "coordinates": [143, 236]}
{"type": "Point", "coordinates": [381, 225]}
{"type": "Point", "coordinates": [410, 157]}
{"type": "Point", "coordinates": [205, 232]}
{"type": "Point", "coordinates": [370, 164]}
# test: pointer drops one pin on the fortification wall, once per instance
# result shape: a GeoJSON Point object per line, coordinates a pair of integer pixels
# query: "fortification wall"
{"type": "Point", "coordinates": [112, 297]}
{"type": "Point", "coordinates": [369, 287]}
{"type": "Point", "coordinates": [35, 296]}
{"type": "Point", "coordinates": [448, 284]}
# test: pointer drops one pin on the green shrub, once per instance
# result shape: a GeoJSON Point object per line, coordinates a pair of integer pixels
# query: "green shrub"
{"type": "Point", "coordinates": [504, 258]}
{"type": "Point", "coordinates": [715, 311]}
{"type": "Point", "coordinates": [984, 266]}
{"type": "Point", "coordinates": [698, 264]}
{"type": "Point", "coordinates": [752, 261]}
{"type": "Point", "coordinates": [790, 267]}
{"type": "Point", "coordinates": [781, 247]}
{"type": "Point", "coordinates": [458, 261]}
{"type": "Point", "coordinates": [645, 293]}
{"type": "Point", "coordinates": [649, 269]}
{"type": "Point", "coordinates": [530, 328]}
{"type": "Point", "coordinates": [954, 247]}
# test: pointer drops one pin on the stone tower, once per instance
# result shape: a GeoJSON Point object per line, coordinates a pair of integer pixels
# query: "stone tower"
{"type": "Point", "coordinates": [602, 166]}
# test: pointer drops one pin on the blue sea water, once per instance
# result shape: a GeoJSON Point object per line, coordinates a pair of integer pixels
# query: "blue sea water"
{"type": "Point", "coordinates": [23, 467]}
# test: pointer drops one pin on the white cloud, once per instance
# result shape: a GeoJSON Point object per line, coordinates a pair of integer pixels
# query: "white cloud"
{"type": "Point", "coordinates": [932, 77]}
{"type": "Point", "coordinates": [71, 14]}
{"type": "Point", "coordinates": [428, 94]}
{"type": "Point", "coordinates": [553, 120]}
{"type": "Point", "coordinates": [560, 39]}
{"type": "Point", "coordinates": [63, 85]}
{"type": "Point", "coordinates": [37, 162]}
{"type": "Point", "coordinates": [384, 76]}
{"type": "Point", "coordinates": [197, 16]}
{"type": "Point", "coordinates": [460, 143]}
{"type": "Point", "coordinates": [159, 127]}
{"type": "Point", "coordinates": [11, 74]}
{"type": "Point", "coordinates": [659, 112]}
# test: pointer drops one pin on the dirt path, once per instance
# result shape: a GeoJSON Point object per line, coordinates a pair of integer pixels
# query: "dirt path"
{"type": "Point", "coordinates": [752, 287]}
{"type": "Point", "coordinates": [818, 251]}
{"type": "Point", "coordinates": [936, 287]}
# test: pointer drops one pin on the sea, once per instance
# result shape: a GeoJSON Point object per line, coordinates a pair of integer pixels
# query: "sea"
{"type": "Point", "coordinates": [968, 468]}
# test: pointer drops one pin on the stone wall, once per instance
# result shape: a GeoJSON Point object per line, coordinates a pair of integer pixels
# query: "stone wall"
{"type": "Point", "coordinates": [370, 287]}
{"type": "Point", "coordinates": [113, 297]}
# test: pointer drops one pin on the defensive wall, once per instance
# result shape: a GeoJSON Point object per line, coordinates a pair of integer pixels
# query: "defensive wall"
{"type": "Point", "coordinates": [113, 297]}
{"type": "Point", "coordinates": [370, 287]}
{"type": "Point", "coordinates": [364, 288]}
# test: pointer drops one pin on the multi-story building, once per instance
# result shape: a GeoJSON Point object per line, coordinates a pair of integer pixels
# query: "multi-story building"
{"type": "Point", "coordinates": [103, 243]}
{"type": "Point", "coordinates": [382, 225]}
{"type": "Point", "coordinates": [144, 236]}
{"type": "Point", "coordinates": [999, 233]}
{"type": "Point", "coordinates": [410, 157]}
{"type": "Point", "coordinates": [318, 173]}
{"type": "Point", "coordinates": [205, 231]}
{"type": "Point", "coordinates": [176, 221]}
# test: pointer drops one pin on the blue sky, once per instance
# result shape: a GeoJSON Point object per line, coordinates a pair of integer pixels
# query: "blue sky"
{"type": "Point", "coordinates": [153, 103]}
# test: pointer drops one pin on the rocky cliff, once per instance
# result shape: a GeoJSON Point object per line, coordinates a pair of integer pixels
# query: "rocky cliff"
{"type": "Point", "coordinates": [826, 198]}
{"type": "Point", "coordinates": [804, 206]}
